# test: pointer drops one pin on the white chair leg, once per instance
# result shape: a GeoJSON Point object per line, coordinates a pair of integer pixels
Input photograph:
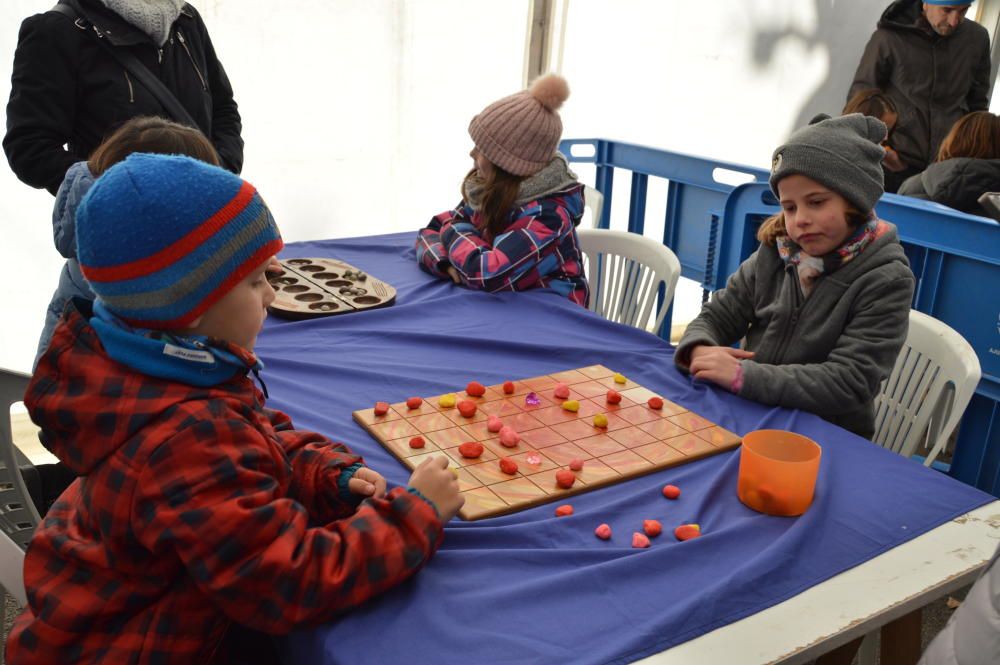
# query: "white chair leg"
{"type": "Point", "coordinates": [868, 649]}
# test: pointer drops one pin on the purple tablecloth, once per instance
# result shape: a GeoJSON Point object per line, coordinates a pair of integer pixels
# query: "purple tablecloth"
{"type": "Point", "coordinates": [533, 588]}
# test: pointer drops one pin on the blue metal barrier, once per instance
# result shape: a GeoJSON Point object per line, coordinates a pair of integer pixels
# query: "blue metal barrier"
{"type": "Point", "coordinates": [711, 226]}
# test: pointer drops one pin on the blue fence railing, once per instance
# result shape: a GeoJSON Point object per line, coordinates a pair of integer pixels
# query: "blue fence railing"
{"type": "Point", "coordinates": [955, 257]}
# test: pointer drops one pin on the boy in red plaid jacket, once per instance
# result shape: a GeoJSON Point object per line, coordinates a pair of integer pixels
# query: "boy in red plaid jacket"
{"type": "Point", "coordinates": [198, 512]}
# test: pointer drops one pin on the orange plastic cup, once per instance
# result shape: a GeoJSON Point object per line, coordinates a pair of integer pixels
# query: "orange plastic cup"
{"type": "Point", "coordinates": [778, 472]}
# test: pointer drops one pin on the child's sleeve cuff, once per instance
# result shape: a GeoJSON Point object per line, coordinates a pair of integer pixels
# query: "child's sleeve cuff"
{"type": "Point", "coordinates": [345, 477]}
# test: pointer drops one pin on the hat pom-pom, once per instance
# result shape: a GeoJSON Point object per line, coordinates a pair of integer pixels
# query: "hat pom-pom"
{"type": "Point", "coordinates": [550, 90]}
{"type": "Point", "coordinates": [877, 130]}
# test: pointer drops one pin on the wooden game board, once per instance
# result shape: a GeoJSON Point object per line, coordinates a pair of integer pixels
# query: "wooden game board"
{"type": "Point", "coordinates": [308, 288]}
{"type": "Point", "coordinates": [638, 439]}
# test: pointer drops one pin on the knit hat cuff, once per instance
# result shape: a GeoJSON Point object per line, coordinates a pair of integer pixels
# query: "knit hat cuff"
{"type": "Point", "coordinates": [830, 170]}
{"type": "Point", "coordinates": [494, 151]}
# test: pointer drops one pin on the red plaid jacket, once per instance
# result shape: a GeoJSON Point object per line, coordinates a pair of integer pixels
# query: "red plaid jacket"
{"type": "Point", "coordinates": [194, 509]}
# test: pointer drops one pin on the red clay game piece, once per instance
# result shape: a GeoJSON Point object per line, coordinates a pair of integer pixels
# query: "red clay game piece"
{"type": "Point", "coordinates": [475, 389]}
{"type": "Point", "coordinates": [417, 442]}
{"type": "Point", "coordinates": [508, 466]}
{"type": "Point", "coordinates": [467, 408]}
{"type": "Point", "coordinates": [639, 540]}
{"type": "Point", "coordinates": [671, 491]}
{"type": "Point", "coordinates": [687, 531]}
{"type": "Point", "coordinates": [381, 408]}
{"type": "Point", "coordinates": [655, 403]}
{"type": "Point", "coordinates": [652, 528]}
{"type": "Point", "coordinates": [471, 449]}
{"type": "Point", "coordinates": [565, 478]}
{"type": "Point", "coordinates": [561, 391]}
{"type": "Point", "coordinates": [603, 532]}
{"type": "Point", "coordinates": [414, 402]}
{"type": "Point", "coordinates": [576, 465]}
{"type": "Point", "coordinates": [564, 510]}
{"type": "Point", "coordinates": [614, 397]}
{"type": "Point", "coordinates": [508, 387]}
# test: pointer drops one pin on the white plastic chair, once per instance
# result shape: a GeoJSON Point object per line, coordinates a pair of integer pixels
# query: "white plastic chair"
{"type": "Point", "coordinates": [625, 271]}
{"type": "Point", "coordinates": [18, 516]}
{"type": "Point", "coordinates": [12, 570]}
{"type": "Point", "coordinates": [932, 382]}
{"type": "Point", "coordinates": [593, 200]}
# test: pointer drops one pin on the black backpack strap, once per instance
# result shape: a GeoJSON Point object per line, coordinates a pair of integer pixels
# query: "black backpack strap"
{"type": "Point", "coordinates": [133, 66]}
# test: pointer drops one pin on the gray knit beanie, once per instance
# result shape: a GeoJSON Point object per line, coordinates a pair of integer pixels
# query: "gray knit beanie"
{"type": "Point", "coordinates": [842, 154]}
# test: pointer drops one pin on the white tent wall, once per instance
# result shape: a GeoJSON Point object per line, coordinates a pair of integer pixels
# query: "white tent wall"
{"type": "Point", "coordinates": [355, 111]}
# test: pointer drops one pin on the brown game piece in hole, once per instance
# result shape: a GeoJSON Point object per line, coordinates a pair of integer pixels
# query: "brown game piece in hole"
{"type": "Point", "coordinates": [414, 402]}
{"type": "Point", "coordinates": [655, 403]}
{"type": "Point", "coordinates": [417, 442]}
{"type": "Point", "coordinates": [565, 478]}
{"type": "Point", "coordinates": [467, 408]}
{"type": "Point", "coordinates": [614, 397]}
{"type": "Point", "coordinates": [471, 449]}
{"type": "Point", "coordinates": [381, 408]}
{"type": "Point", "coordinates": [508, 466]}
{"type": "Point", "coordinates": [564, 510]}
{"type": "Point", "coordinates": [508, 387]}
{"type": "Point", "coordinates": [475, 389]}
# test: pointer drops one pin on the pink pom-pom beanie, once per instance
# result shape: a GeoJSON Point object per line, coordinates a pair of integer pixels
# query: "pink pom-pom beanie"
{"type": "Point", "coordinates": [520, 133]}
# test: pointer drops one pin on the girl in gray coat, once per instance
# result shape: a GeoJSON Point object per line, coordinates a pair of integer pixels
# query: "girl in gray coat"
{"type": "Point", "coordinates": [823, 303]}
{"type": "Point", "coordinates": [142, 134]}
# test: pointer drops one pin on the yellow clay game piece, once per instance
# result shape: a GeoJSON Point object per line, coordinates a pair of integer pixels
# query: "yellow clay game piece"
{"type": "Point", "coordinates": [571, 405]}
{"type": "Point", "coordinates": [620, 378]}
{"type": "Point", "coordinates": [600, 420]}
{"type": "Point", "coordinates": [447, 401]}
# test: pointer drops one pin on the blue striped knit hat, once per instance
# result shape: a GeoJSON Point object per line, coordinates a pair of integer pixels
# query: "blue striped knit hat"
{"type": "Point", "coordinates": [161, 238]}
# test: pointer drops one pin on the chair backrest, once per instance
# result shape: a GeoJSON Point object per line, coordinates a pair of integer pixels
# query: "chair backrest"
{"type": "Point", "coordinates": [18, 516]}
{"type": "Point", "coordinates": [594, 201]}
{"type": "Point", "coordinates": [12, 568]}
{"type": "Point", "coordinates": [932, 382]}
{"type": "Point", "coordinates": [625, 271]}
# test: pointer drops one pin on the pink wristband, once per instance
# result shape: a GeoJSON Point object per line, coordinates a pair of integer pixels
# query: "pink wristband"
{"type": "Point", "coordinates": [737, 384]}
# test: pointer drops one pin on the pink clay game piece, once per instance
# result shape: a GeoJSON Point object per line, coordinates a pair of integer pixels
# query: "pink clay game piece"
{"type": "Point", "coordinates": [601, 420]}
{"type": "Point", "coordinates": [475, 389]}
{"type": "Point", "coordinates": [652, 528]}
{"type": "Point", "coordinates": [494, 424]}
{"type": "Point", "coordinates": [564, 510]}
{"type": "Point", "coordinates": [471, 449]}
{"type": "Point", "coordinates": [508, 466]}
{"type": "Point", "coordinates": [655, 403]}
{"type": "Point", "coordinates": [671, 491]}
{"type": "Point", "coordinates": [614, 397]}
{"type": "Point", "coordinates": [381, 408]}
{"type": "Point", "coordinates": [639, 540]}
{"type": "Point", "coordinates": [571, 405]}
{"type": "Point", "coordinates": [508, 437]}
{"type": "Point", "coordinates": [576, 465]}
{"type": "Point", "coordinates": [417, 442]}
{"type": "Point", "coordinates": [565, 478]}
{"type": "Point", "coordinates": [603, 532]}
{"type": "Point", "coordinates": [561, 391]}
{"type": "Point", "coordinates": [467, 408]}
{"type": "Point", "coordinates": [414, 402]}
{"type": "Point", "coordinates": [508, 387]}
{"type": "Point", "coordinates": [687, 531]}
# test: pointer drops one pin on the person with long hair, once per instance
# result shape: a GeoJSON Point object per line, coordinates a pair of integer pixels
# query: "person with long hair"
{"type": "Point", "coordinates": [824, 302]}
{"type": "Point", "coordinates": [876, 104]}
{"type": "Point", "coordinates": [967, 165]}
{"type": "Point", "coordinates": [515, 228]}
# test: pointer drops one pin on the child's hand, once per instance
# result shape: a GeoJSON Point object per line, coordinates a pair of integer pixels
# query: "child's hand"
{"type": "Point", "coordinates": [892, 160]}
{"type": "Point", "coordinates": [718, 364]}
{"type": "Point", "coordinates": [453, 273]}
{"type": "Point", "coordinates": [436, 481]}
{"type": "Point", "coordinates": [366, 482]}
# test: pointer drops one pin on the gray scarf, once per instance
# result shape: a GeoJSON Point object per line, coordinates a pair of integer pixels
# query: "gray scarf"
{"type": "Point", "coordinates": [554, 177]}
{"type": "Point", "coordinates": [154, 17]}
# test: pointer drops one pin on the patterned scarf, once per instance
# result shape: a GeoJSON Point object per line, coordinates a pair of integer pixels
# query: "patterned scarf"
{"type": "Point", "coordinates": [154, 17]}
{"type": "Point", "coordinates": [554, 177]}
{"type": "Point", "coordinates": [811, 268]}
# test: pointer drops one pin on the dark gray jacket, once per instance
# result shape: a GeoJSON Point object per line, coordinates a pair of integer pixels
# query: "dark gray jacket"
{"type": "Point", "coordinates": [932, 80]}
{"type": "Point", "coordinates": [957, 183]}
{"type": "Point", "coordinates": [827, 353]}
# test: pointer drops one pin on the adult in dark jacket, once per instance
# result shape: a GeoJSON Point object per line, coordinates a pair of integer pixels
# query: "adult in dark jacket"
{"type": "Point", "coordinates": [934, 66]}
{"type": "Point", "coordinates": [968, 166]}
{"type": "Point", "coordinates": [68, 93]}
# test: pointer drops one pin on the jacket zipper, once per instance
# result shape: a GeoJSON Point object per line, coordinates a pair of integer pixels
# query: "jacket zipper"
{"type": "Point", "coordinates": [131, 92]}
{"type": "Point", "coordinates": [180, 38]}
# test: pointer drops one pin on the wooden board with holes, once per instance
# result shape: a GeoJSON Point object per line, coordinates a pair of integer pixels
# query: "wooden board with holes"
{"type": "Point", "coordinates": [310, 287]}
{"type": "Point", "coordinates": [638, 439]}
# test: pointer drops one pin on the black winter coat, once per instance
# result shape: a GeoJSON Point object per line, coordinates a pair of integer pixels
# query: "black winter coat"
{"type": "Point", "coordinates": [932, 80]}
{"type": "Point", "coordinates": [957, 183]}
{"type": "Point", "coordinates": [66, 90]}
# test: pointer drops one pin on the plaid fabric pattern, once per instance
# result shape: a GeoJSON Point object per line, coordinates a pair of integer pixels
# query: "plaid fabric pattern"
{"type": "Point", "coordinates": [195, 508]}
{"type": "Point", "coordinates": [538, 249]}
